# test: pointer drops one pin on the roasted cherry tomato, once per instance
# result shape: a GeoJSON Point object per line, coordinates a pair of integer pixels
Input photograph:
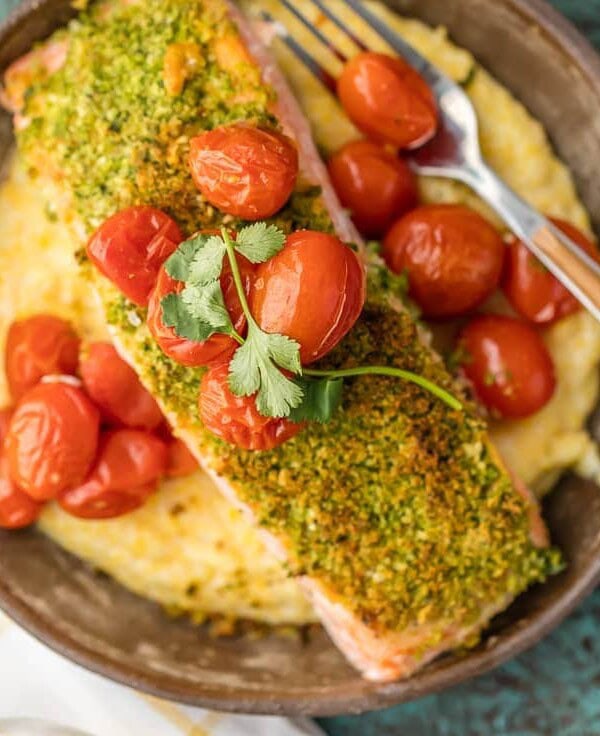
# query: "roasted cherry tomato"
{"type": "Point", "coordinates": [452, 255]}
{"type": "Point", "coordinates": [116, 390]}
{"type": "Point", "coordinates": [5, 417]}
{"type": "Point", "coordinates": [180, 461]}
{"type": "Point", "coordinates": [52, 439]}
{"type": "Point", "coordinates": [313, 291]}
{"type": "Point", "coordinates": [508, 364]}
{"type": "Point", "coordinates": [374, 184]}
{"type": "Point", "coordinates": [531, 289]}
{"type": "Point", "coordinates": [388, 100]}
{"type": "Point", "coordinates": [219, 347]}
{"type": "Point", "coordinates": [17, 509]}
{"type": "Point", "coordinates": [36, 347]}
{"type": "Point", "coordinates": [236, 419]}
{"type": "Point", "coordinates": [92, 500]}
{"type": "Point", "coordinates": [243, 170]}
{"type": "Point", "coordinates": [129, 465]}
{"type": "Point", "coordinates": [131, 246]}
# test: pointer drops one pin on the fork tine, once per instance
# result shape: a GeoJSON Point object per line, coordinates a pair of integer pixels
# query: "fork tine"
{"type": "Point", "coordinates": [336, 20]}
{"type": "Point", "coordinates": [433, 76]}
{"type": "Point", "coordinates": [314, 30]}
{"type": "Point", "coordinates": [300, 52]}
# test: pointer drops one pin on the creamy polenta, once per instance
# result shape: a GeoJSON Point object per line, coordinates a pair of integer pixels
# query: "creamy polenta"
{"type": "Point", "coordinates": [188, 548]}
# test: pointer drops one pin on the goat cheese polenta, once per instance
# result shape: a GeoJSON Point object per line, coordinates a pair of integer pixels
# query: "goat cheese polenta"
{"type": "Point", "coordinates": [187, 548]}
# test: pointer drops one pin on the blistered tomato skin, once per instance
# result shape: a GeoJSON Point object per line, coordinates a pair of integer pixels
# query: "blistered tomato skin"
{"type": "Point", "coordinates": [115, 388]}
{"type": "Point", "coordinates": [388, 100]}
{"type": "Point", "coordinates": [92, 500]}
{"type": "Point", "coordinates": [374, 184]}
{"type": "Point", "coordinates": [531, 289]}
{"type": "Point", "coordinates": [180, 461]}
{"type": "Point", "coordinates": [17, 509]}
{"type": "Point", "coordinates": [236, 419]}
{"type": "Point", "coordinates": [218, 348]}
{"type": "Point", "coordinates": [38, 346]}
{"type": "Point", "coordinates": [452, 255]}
{"type": "Point", "coordinates": [52, 440]}
{"type": "Point", "coordinates": [129, 465]}
{"type": "Point", "coordinates": [313, 291]}
{"type": "Point", "coordinates": [507, 363]}
{"type": "Point", "coordinates": [243, 170]}
{"type": "Point", "coordinates": [131, 246]}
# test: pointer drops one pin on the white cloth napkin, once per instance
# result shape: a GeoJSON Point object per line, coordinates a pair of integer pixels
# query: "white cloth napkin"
{"type": "Point", "coordinates": [43, 694]}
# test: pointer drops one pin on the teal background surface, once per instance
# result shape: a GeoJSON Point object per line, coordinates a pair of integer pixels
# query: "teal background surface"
{"type": "Point", "coordinates": [553, 690]}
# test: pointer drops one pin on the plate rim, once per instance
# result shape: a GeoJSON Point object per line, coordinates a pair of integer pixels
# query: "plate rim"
{"type": "Point", "coordinates": [513, 641]}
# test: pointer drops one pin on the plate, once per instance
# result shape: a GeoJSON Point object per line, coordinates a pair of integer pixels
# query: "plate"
{"type": "Point", "coordinates": [92, 620]}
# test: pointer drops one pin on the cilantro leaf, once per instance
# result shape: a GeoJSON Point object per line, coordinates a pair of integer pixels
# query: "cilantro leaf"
{"type": "Point", "coordinates": [207, 262]}
{"type": "Point", "coordinates": [255, 368]}
{"type": "Point", "coordinates": [259, 241]}
{"type": "Point", "coordinates": [176, 314]}
{"type": "Point", "coordinates": [277, 395]}
{"type": "Point", "coordinates": [178, 264]}
{"type": "Point", "coordinates": [283, 350]}
{"type": "Point", "coordinates": [321, 399]}
{"type": "Point", "coordinates": [205, 303]}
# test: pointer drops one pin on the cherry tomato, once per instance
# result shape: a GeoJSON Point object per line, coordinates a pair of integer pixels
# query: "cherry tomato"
{"type": "Point", "coordinates": [52, 439]}
{"type": "Point", "coordinates": [17, 509]}
{"type": "Point", "coordinates": [5, 417]}
{"type": "Point", "coordinates": [129, 465]}
{"type": "Point", "coordinates": [131, 246]}
{"type": "Point", "coordinates": [180, 461]}
{"type": "Point", "coordinates": [452, 255]}
{"type": "Point", "coordinates": [374, 184]}
{"type": "Point", "coordinates": [531, 289]}
{"type": "Point", "coordinates": [236, 419]}
{"type": "Point", "coordinates": [130, 458]}
{"type": "Point", "coordinates": [216, 349]}
{"type": "Point", "coordinates": [117, 391]}
{"type": "Point", "coordinates": [92, 500]}
{"type": "Point", "coordinates": [508, 364]}
{"type": "Point", "coordinates": [313, 291]}
{"type": "Point", "coordinates": [243, 170]}
{"type": "Point", "coordinates": [38, 346]}
{"type": "Point", "coordinates": [388, 100]}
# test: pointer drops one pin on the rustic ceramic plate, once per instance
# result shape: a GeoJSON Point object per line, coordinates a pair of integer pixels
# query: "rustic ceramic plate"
{"type": "Point", "coordinates": [95, 622]}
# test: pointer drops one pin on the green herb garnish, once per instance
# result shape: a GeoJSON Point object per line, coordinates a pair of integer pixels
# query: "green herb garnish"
{"type": "Point", "coordinates": [256, 369]}
{"type": "Point", "coordinates": [259, 242]}
{"type": "Point", "coordinates": [321, 398]}
{"type": "Point", "coordinates": [260, 366]}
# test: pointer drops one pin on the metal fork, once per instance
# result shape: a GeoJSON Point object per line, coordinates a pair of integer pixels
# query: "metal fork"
{"type": "Point", "coordinates": [455, 153]}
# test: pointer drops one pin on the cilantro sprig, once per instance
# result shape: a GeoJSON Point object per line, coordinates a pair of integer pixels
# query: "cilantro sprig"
{"type": "Point", "coordinates": [265, 365]}
{"type": "Point", "coordinates": [256, 366]}
{"type": "Point", "coordinates": [199, 311]}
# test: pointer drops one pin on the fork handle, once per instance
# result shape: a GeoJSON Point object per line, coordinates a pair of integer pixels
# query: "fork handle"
{"type": "Point", "coordinates": [572, 266]}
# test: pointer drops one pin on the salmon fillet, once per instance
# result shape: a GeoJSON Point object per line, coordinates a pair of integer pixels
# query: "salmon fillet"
{"type": "Point", "coordinates": [398, 517]}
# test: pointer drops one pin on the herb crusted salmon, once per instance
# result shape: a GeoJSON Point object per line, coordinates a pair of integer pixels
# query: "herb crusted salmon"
{"type": "Point", "coordinates": [397, 515]}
